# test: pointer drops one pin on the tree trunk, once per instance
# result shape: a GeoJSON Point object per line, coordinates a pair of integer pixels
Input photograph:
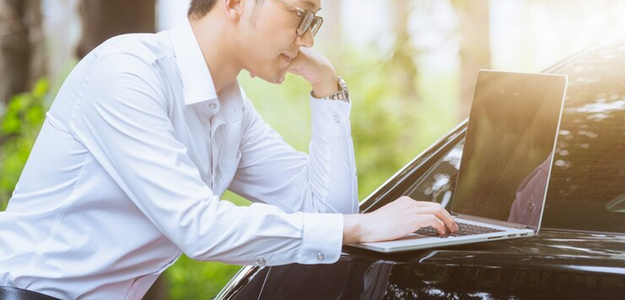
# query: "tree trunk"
{"type": "Point", "coordinates": [474, 47]}
{"type": "Point", "coordinates": [22, 59]}
{"type": "Point", "coordinates": [402, 62]}
{"type": "Point", "coordinates": [103, 19]}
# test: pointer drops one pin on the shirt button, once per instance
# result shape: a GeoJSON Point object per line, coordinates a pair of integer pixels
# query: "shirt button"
{"type": "Point", "coordinates": [336, 119]}
{"type": "Point", "coordinates": [261, 262]}
{"type": "Point", "coordinates": [320, 256]}
{"type": "Point", "coordinates": [212, 106]}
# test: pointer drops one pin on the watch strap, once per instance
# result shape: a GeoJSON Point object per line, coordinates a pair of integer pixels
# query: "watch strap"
{"type": "Point", "coordinates": [341, 95]}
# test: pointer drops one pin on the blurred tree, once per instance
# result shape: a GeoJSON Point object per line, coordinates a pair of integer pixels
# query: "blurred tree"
{"type": "Point", "coordinates": [402, 65]}
{"type": "Point", "coordinates": [330, 37]}
{"type": "Point", "coordinates": [19, 128]}
{"type": "Point", "coordinates": [22, 59]}
{"type": "Point", "coordinates": [102, 19]}
{"type": "Point", "coordinates": [474, 27]}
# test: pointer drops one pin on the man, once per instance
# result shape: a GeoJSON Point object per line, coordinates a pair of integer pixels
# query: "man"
{"type": "Point", "coordinates": [148, 131]}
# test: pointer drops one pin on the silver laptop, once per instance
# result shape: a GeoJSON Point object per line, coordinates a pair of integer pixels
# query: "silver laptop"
{"type": "Point", "coordinates": [506, 162]}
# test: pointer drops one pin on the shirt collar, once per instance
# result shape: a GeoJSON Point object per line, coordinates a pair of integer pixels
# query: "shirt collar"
{"type": "Point", "coordinates": [196, 79]}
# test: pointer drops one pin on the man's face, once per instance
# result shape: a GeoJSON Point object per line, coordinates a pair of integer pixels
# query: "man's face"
{"type": "Point", "coordinates": [271, 40]}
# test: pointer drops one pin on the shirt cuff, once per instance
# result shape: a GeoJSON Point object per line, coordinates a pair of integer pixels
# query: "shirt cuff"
{"type": "Point", "coordinates": [323, 238]}
{"type": "Point", "coordinates": [330, 117]}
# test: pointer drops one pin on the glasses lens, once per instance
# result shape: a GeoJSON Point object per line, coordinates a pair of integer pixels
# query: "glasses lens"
{"type": "Point", "coordinates": [304, 24]}
{"type": "Point", "coordinates": [316, 24]}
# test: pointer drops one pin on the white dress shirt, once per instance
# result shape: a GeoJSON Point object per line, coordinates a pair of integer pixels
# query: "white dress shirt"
{"type": "Point", "coordinates": [132, 160]}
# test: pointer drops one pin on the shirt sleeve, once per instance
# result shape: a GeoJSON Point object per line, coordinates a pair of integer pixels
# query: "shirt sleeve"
{"type": "Point", "coordinates": [122, 119]}
{"type": "Point", "coordinates": [323, 181]}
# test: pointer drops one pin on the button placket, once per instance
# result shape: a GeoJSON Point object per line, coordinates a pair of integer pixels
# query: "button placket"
{"type": "Point", "coordinates": [216, 136]}
{"type": "Point", "coordinates": [214, 161]}
{"type": "Point", "coordinates": [212, 109]}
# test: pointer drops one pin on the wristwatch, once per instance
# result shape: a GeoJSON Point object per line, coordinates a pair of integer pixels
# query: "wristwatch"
{"type": "Point", "coordinates": [341, 95]}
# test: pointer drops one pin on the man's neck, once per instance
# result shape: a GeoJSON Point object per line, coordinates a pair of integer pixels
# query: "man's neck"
{"type": "Point", "coordinates": [217, 49]}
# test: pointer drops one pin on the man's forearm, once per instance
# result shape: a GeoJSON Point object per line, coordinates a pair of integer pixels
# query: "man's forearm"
{"type": "Point", "coordinates": [332, 168]}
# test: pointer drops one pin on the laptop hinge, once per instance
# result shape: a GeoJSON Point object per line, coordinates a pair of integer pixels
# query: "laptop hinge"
{"type": "Point", "coordinates": [493, 221]}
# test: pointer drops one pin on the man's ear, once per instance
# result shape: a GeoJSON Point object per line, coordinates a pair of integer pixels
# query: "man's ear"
{"type": "Point", "coordinates": [233, 9]}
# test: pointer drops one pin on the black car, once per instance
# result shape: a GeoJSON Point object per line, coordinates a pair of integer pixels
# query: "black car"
{"type": "Point", "coordinates": [578, 254]}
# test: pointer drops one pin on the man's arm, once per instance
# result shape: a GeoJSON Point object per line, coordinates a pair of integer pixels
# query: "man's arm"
{"type": "Point", "coordinates": [271, 171]}
{"type": "Point", "coordinates": [122, 119]}
{"type": "Point", "coordinates": [395, 220]}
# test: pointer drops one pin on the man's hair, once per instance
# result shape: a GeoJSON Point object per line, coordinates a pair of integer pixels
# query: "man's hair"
{"type": "Point", "coordinates": [199, 8]}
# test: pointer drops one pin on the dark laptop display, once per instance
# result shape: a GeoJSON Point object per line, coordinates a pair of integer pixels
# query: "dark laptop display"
{"type": "Point", "coordinates": [508, 151]}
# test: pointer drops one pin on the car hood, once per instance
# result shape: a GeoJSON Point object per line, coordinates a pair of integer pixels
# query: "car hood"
{"type": "Point", "coordinates": [573, 251]}
{"type": "Point", "coordinates": [560, 264]}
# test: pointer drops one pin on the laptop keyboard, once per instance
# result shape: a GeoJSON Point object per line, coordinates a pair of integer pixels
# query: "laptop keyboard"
{"type": "Point", "coordinates": [463, 229]}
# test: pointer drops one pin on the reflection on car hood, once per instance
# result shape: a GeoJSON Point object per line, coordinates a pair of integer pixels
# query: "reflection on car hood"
{"type": "Point", "coordinates": [591, 252]}
{"type": "Point", "coordinates": [554, 264]}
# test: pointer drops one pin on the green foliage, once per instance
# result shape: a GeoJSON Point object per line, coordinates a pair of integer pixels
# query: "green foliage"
{"type": "Point", "coordinates": [19, 127]}
{"type": "Point", "coordinates": [190, 279]}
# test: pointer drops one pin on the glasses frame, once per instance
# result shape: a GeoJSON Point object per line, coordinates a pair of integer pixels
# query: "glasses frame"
{"type": "Point", "coordinates": [309, 20]}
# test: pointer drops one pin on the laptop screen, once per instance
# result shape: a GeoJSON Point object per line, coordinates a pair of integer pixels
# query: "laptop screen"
{"type": "Point", "coordinates": [510, 139]}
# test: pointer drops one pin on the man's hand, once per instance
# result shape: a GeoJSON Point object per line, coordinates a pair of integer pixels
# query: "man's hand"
{"type": "Point", "coordinates": [316, 69]}
{"type": "Point", "coordinates": [396, 220]}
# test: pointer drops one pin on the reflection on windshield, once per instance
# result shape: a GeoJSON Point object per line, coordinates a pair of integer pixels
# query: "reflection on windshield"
{"type": "Point", "coordinates": [616, 205]}
{"type": "Point", "coordinates": [528, 204]}
{"type": "Point", "coordinates": [590, 155]}
{"type": "Point", "coordinates": [589, 162]}
{"type": "Point", "coordinates": [587, 183]}
{"type": "Point", "coordinates": [438, 183]}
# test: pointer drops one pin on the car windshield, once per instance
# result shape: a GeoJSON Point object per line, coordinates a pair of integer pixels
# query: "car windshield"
{"type": "Point", "coordinates": [587, 186]}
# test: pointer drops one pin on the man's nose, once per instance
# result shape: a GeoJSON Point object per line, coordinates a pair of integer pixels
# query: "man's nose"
{"type": "Point", "coordinates": [306, 40]}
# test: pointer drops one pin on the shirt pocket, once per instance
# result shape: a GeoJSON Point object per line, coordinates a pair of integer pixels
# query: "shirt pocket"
{"type": "Point", "coordinates": [226, 169]}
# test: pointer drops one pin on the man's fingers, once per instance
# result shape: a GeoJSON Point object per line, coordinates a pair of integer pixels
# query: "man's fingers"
{"type": "Point", "coordinates": [405, 215]}
{"type": "Point", "coordinates": [436, 223]}
{"type": "Point", "coordinates": [441, 214]}
{"type": "Point", "coordinates": [450, 224]}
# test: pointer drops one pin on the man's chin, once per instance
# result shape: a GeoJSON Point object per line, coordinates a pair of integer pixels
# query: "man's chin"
{"type": "Point", "coordinates": [271, 77]}
{"type": "Point", "coordinates": [276, 79]}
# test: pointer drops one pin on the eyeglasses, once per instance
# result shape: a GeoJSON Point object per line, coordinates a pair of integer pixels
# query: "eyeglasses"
{"type": "Point", "coordinates": [308, 20]}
